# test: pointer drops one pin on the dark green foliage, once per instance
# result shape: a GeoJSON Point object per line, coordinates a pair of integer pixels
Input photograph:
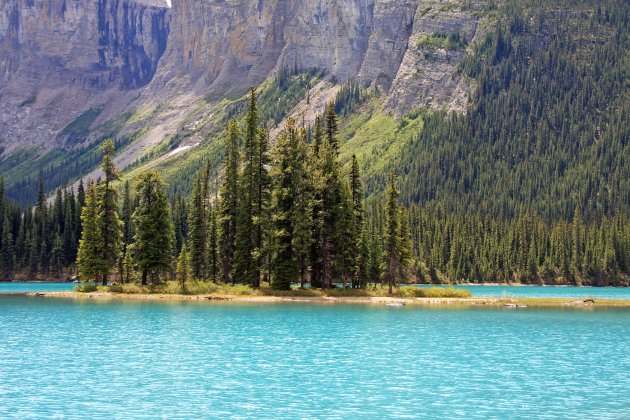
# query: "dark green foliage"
{"type": "Point", "coordinates": [78, 129]}
{"type": "Point", "coordinates": [291, 208]}
{"type": "Point", "coordinates": [253, 197]}
{"type": "Point", "coordinates": [392, 240]}
{"type": "Point", "coordinates": [228, 204]}
{"type": "Point", "coordinates": [197, 223]}
{"type": "Point", "coordinates": [547, 129]}
{"type": "Point", "coordinates": [154, 238]}
{"type": "Point", "coordinates": [91, 262]}
{"type": "Point", "coordinates": [110, 224]}
{"type": "Point", "coordinates": [56, 167]}
{"type": "Point", "coordinates": [473, 248]}
{"type": "Point", "coordinates": [349, 98]}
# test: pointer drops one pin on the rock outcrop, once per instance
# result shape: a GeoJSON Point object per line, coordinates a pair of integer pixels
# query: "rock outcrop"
{"type": "Point", "coordinates": [61, 58]}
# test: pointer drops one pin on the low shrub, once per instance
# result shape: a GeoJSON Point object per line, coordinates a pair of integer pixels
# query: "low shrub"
{"type": "Point", "coordinates": [115, 288]}
{"type": "Point", "coordinates": [433, 292]}
{"type": "Point", "coordinates": [86, 288]}
{"type": "Point", "coordinates": [132, 288]}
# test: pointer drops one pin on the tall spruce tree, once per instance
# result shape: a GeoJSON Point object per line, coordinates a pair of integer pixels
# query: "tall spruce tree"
{"type": "Point", "coordinates": [6, 250]}
{"type": "Point", "coordinates": [392, 234]}
{"type": "Point", "coordinates": [329, 186]}
{"type": "Point", "coordinates": [126, 212]}
{"type": "Point", "coordinates": [246, 266]}
{"type": "Point", "coordinates": [332, 127]}
{"type": "Point", "coordinates": [317, 182]}
{"type": "Point", "coordinates": [356, 243]}
{"type": "Point", "coordinates": [291, 208]}
{"type": "Point", "coordinates": [197, 236]}
{"type": "Point", "coordinates": [111, 226]}
{"type": "Point", "coordinates": [213, 250]}
{"type": "Point", "coordinates": [228, 204]}
{"type": "Point", "coordinates": [91, 262]}
{"type": "Point", "coordinates": [183, 268]}
{"type": "Point", "coordinates": [155, 236]}
{"type": "Point", "coordinates": [404, 243]}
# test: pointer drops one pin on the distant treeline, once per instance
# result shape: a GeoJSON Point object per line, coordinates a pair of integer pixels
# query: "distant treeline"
{"type": "Point", "coordinates": [290, 215]}
{"type": "Point", "coordinates": [547, 129]}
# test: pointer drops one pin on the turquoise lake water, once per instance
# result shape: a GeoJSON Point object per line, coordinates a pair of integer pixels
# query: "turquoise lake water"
{"type": "Point", "coordinates": [83, 359]}
{"type": "Point", "coordinates": [548, 291]}
{"type": "Point", "coordinates": [480, 291]}
{"type": "Point", "coordinates": [35, 287]}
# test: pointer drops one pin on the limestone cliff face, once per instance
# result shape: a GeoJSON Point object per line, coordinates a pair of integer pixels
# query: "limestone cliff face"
{"type": "Point", "coordinates": [216, 44]}
{"type": "Point", "coordinates": [61, 57]}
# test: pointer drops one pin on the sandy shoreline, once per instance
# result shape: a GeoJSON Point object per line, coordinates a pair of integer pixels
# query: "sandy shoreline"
{"type": "Point", "coordinates": [363, 300]}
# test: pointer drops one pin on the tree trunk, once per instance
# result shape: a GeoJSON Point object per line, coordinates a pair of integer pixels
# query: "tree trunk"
{"type": "Point", "coordinates": [104, 279]}
{"type": "Point", "coordinates": [144, 277]}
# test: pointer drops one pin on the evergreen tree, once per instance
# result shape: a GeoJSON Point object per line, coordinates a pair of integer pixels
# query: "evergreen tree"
{"type": "Point", "coordinates": [228, 205]}
{"type": "Point", "coordinates": [111, 226]}
{"type": "Point", "coordinates": [392, 235]}
{"type": "Point", "coordinates": [155, 236]}
{"type": "Point", "coordinates": [291, 208]}
{"type": "Point", "coordinates": [356, 243]}
{"type": "Point", "coordinates": [6, 251]}
{"type": "Point", "coordinates": [247, 242]}
{"type": "Point", "coordinates": [198, 229]}
{"type": "Point", "coordinates": [90, 260]}
{"type": "Point", "coordinates": [213, 251]}
{"type": "Point", "coordinates": [404, 243]}
{"type": "Point", "coordinates": [126, 213]}
{"type": "Point", "coordinates": [57, 255]}
{"type": "Point", "coordinates": [332, 127]}
{"type": "Point", "coordinates": [128, 275]}
{"type": "Point", "coordinates": [183, 268]}
{"type": "Point", "coordinates": [329, 191]}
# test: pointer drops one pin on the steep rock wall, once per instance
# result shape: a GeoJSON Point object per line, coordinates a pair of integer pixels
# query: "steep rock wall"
{"type": "Point", "coordinates": [61, 57]}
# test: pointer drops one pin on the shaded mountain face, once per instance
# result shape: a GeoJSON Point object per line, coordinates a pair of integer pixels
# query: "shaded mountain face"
{"type": "Point", "coordinates": [62, 59]}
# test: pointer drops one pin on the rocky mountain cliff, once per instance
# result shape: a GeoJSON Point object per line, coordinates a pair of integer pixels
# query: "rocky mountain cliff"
{"type": "Point", "coordinates": [70, 70]}
{"type": "Point", "coordinates": [63, 57]}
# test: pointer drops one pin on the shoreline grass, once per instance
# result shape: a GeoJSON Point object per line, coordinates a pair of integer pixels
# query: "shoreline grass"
{"type": "Point", "coordinates": [405, 295]}
{"type": "Point", "coordinates": [194, 288]}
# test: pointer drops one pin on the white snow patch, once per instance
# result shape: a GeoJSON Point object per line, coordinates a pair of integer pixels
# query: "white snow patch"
{"type": "Point", "coordinates": [181, 149]}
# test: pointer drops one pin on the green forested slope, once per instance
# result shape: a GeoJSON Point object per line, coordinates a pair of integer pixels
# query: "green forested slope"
{"type": "Point", "coordinates": [531, 184]}
{"type": "Point", "coordinates": [547, 129]}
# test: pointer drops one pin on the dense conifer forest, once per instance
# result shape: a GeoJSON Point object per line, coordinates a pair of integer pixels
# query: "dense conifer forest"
{"type": "Point", "coordinates": [531, 185]}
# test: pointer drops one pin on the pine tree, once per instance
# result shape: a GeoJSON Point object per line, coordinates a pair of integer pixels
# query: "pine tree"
{"type": "Point", "coordinates": [57, 255]}
{"type": "Point", "coordinates": [356, 242]}
{"type": "Point", "coordinates": [6, 251]}
{"type": "Point", "coordinates": [392, 243]}
{"type": "Point", "coordinates": [291, 207]}
{"type": "Point", "coordinates": [128, 275]}
{"type": "Point", "coordinates": [108, 210]}
{"type": "Point", "coordinates": [262, 216]}
{"type": "Point", "coordinates": [318, 136]}
{"type": "Point", "coordinates": [183, 268]}
{"type": "Point", "coordinates": [332, 128]}
{"type": "Point", "coordinates": [344, 236]}
{"type": "Point", "coordinates": [213, 251]}
{"type": "Point", "coordinates": [198, 230]}
{"type": "Point", "coordinates": [329, 186]}
{"type": "Point", "coordinates": [126, 213]}
{"type": "Point", "coordinates": [90, 260]}
{"type": "Point", "coordinates": [155, 236]}
{"type": "Point", "coordinates": [405, 244]}
{"type": "Point", "coordinates": [228, 205]}
{"type": "Point", "coordinates": [246, 265]}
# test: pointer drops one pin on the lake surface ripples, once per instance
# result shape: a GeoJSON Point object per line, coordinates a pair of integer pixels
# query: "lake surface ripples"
{"type": "Point", "coordinates": [72, 359]}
